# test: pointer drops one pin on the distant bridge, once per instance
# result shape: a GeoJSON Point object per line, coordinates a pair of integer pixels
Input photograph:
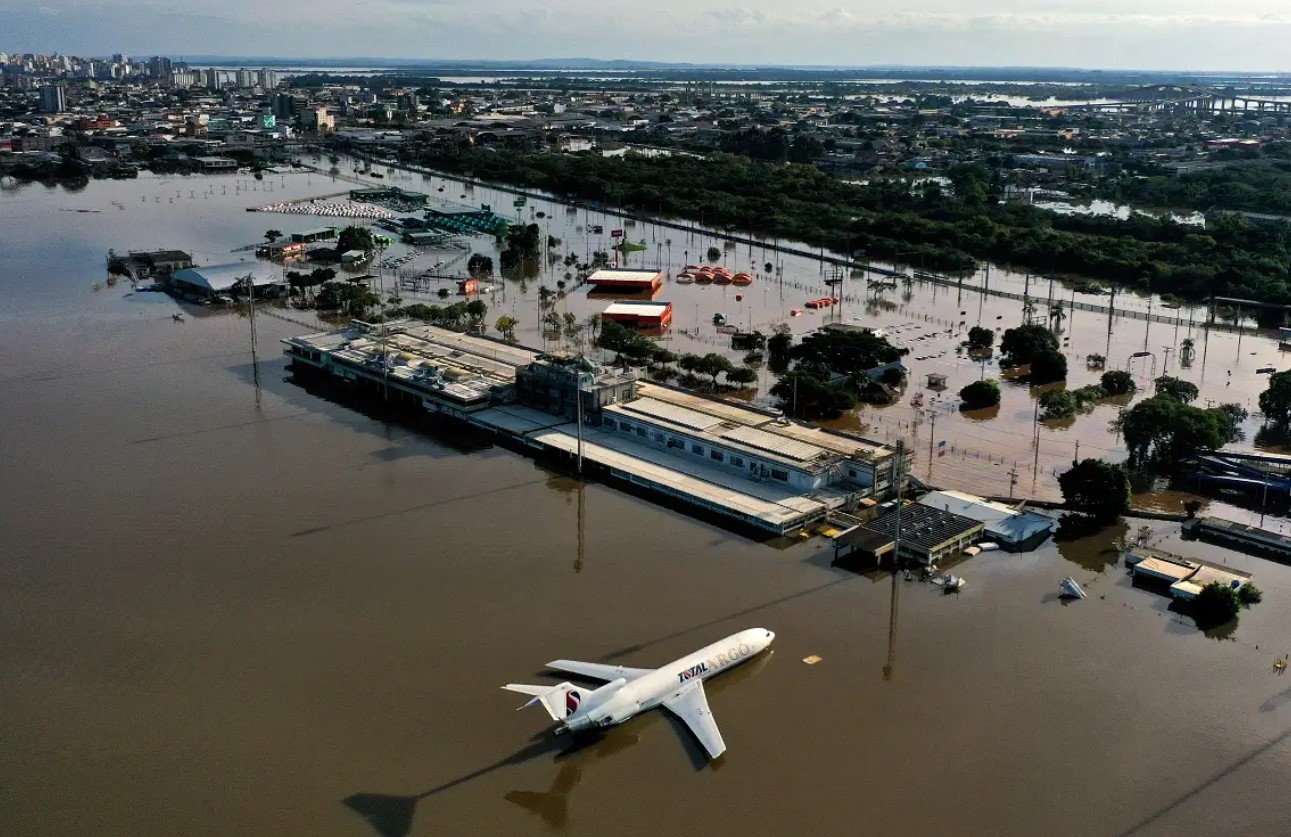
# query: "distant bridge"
{"type": "Point", "coordinates": [1174, 98]}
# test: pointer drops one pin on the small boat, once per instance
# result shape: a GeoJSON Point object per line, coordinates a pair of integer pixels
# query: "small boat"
{"type": "Point", "coordinates": [685, 279]}
{"type": "Point", "coordinates": [177, 317]}
{"type": "Point", "coordinates": [722, 278]}
{"type": "Point", "coordinates": [692, 268]}
{"type": "Point", "coordinates": [1069, 589]}
{"type": "Point", "coordinates": [704, 279]}
{"type": "Point", "coordinates": [950, 582]}
{"type": "Point", "coordinates": [742, 279]}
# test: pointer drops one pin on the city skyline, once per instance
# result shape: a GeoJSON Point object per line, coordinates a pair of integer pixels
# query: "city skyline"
{"type": "Point", "coordinates": [1187, 35]}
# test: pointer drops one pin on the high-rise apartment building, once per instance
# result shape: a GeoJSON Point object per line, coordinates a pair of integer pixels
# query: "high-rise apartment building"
{"type": "Point", "coordinates": [53, 98]}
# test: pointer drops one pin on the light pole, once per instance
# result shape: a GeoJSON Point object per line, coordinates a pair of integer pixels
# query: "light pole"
{"type": "Point", "coordinates": [1130, 360]}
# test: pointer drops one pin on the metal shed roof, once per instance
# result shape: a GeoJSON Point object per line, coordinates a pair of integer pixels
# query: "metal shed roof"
{"type": "Point", "coordinates": [773, 443]}
{"type": "Point", "coordinates": [923, 527]}
{"type": "Point", "coordinates": [222, 277]}
{"type": "Point", "coordinates": [671, 412]}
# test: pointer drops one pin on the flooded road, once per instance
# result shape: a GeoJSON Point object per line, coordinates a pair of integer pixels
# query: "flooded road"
{"type": "Point", "coordinates": [230, 607]}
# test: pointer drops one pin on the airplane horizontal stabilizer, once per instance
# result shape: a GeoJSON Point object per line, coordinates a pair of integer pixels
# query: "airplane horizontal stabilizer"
{"type": "Point", "coordinates": [560, 701]}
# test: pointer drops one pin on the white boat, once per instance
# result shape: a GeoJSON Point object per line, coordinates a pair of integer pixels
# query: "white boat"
{"type": "Point", "coordinates": [1069, 589]}
{"type": "Point", "coordinates": [950, 582]}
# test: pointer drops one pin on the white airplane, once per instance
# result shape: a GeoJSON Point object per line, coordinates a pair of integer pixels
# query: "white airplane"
{"type": "Point", "coordinates": [677, 687]}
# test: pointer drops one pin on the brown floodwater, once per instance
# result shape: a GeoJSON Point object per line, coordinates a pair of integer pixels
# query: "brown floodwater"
{"type": "Point", "coordinates": [991, 452]}
{"type": "Point", "coordinates": [232, 604]}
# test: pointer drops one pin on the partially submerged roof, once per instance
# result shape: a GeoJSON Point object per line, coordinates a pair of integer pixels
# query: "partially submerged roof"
{"type": "Point", "coordinates": [1001, 520]}
{"type": "Point", "coordinates": [624, 276]}
{"type": "Point", "coordinates": [222, 277]}
{"type": "Point", "coordinates": [924, 527]}
{"type": "Point", "coordinates": [638, 309]}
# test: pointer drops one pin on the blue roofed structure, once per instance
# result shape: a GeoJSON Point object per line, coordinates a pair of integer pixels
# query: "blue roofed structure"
{"type": "Point", "coordinates": [1010, 527]}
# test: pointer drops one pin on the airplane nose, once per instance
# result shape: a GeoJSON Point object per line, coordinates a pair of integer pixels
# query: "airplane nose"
{"type": "Point", "coordinates": [770, 637]}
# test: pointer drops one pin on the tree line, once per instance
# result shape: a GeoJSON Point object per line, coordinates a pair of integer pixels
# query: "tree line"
{"type": "Point", "coordinates": [947, 230]}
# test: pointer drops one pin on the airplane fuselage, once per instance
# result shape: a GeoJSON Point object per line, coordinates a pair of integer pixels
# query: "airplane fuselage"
{"type": "Point", "coordinates": [619, 700]}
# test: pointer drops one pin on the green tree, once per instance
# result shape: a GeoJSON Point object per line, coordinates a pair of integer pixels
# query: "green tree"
{"type": "Point", "coordinates": [479, 265]}
{"type": "Point", "coordinates": [1118, 382]}
{"type": "Point", "coordinates": [980, 394]}
{"type": "Point", "coordinates": [1058, 404]}
{"type": "Point", "coordinates": [1020, 345]}
{"type": "Point", "coordinates": [506, 326]}
{"type": "Point", "coordinates": [272, 235]}
{"type": "Point", "coordinates": [1048, 366]}
{"type": "Point", "coordinates": [477, 310]}
{"type": "Point", "coordinates": [804, 392]}
{"type": "Point", "coordinates": [571, 329]}
{"type": "Point", "coordinates": [1100, 489]}
{"type": "Point", "coordinates": [846, 352]}
{"type": "Point", "coordinates": [350, 299]}
{"type": "Point", "coordinates": [1216, 604]}
{"type": "Point", "coordinates": [1166, 428]}
{"type": "Point", "coordinates": [713, 364]}
{"type": "Point", "coordinates": [1175, 388]}
{"type": "Point", "coordinates": [355, 238]}
{"type": "Point", "coordinates": [742, 376]}
{"type": "Point", "coordinates": [1275, 402]}
{"type": "Point", "coordinates": [662, 356]}
{"type": "Point", "coordinates": [980, 338]}
{"type": "Point", "coordinates": [689, 362]}
{"type": "Point", "coordinates": [778, 347]}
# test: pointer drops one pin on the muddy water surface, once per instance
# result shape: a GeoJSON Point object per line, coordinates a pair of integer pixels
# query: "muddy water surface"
{"type": "Point", "coordinates": [234, 604]}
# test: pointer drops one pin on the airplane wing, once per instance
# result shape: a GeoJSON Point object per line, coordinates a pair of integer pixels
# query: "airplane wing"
{"type": "Point", "coordinates": [598, 671]}
{"type": "Point", "coordinates": [691, 706]}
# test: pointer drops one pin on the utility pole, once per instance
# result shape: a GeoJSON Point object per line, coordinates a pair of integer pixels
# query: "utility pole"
{"type": "Point", "coordinates": [932, 435]}
{"type": "Point", "coordinates": [900, 477]}
{"type": "Point", "coordinates": [1013, 479]}
{"type": "Point", "coordinates": [578, 396]}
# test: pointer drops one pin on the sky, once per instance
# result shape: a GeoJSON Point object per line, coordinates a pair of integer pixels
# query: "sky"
{"type": "Point", "coordinates": [1246, 35]}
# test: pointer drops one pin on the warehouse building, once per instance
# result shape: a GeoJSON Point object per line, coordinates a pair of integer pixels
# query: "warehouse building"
{"type": "Point", "coordinates": [207, 283]}
{"type": "Point", "coordinates": [642, 315]}
{"type": "Point", "coordinates": [1011, 528]}
{"type": "Point", "coordinates": [619, 280]}
{"type": "Point", "coordinates": [928, 535]}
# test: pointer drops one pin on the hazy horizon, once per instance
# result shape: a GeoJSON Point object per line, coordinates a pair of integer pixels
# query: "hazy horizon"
{"type": "Point", "coordinates": [1150, 35]}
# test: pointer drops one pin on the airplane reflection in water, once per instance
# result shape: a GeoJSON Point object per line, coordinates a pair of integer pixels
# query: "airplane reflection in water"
{"type": "Point", "coordinates": [391, 815]}
{"type": "Point", "coordinates": [552, 806]}
{"type": "Point", "coordinates": [677, 687]}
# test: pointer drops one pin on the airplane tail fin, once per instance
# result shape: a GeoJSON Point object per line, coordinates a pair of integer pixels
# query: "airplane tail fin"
{"type": "Point", "coordinates": [560, 701]}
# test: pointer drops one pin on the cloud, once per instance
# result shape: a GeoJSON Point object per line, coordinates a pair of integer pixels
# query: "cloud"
{"type": "Point", "coordinates": [1097, 33]}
